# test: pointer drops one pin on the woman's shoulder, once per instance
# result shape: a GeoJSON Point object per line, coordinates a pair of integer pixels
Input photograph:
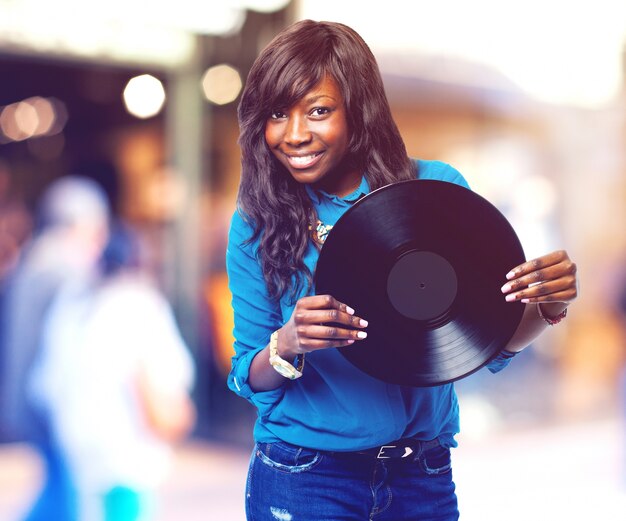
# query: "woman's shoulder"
{"type": "Point", "coordinates": [240, 224]}
{"type": "Point", "coordinates": [439, 171]}
{"type": "Point", "coordinates": [241, 231]}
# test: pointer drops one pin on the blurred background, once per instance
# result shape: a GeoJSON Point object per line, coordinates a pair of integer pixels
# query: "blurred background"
{"type": "Point", "coordinates": [526, 99]}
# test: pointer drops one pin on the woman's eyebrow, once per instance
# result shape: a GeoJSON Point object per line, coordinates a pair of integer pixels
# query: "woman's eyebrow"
{"type": "Point", "coordinates": [313, 99]}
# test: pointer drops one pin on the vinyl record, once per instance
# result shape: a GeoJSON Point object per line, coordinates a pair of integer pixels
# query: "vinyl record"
{"type": "Point", "coordinates": [423, 262]}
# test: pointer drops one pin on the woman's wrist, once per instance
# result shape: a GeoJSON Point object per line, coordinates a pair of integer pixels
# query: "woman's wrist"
{"type": "Point", "coordinates": [289, 368]}
{"type": "Point", "coordinates": [552, 312]}
{"type": "Point", "coordinates": [282, 345]}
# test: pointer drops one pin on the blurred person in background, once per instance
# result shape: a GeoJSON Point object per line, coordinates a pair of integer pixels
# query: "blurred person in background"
{"type": "Point", "coordinates": [115, 377]}
{"type": "Point", "coordinates": [72, 231]}
{"type": "Point", "coordinates": [15, 223]}
{"type": "Point", "coordinates": [15, 229]}
{"type": "Point", "coordinates": [316, 133]}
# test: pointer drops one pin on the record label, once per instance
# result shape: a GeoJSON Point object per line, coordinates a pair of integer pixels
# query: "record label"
{"type": "Point", "coordinates": [421, 285]}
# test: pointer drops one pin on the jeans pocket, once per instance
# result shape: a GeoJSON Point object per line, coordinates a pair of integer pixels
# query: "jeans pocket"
{"type": "Point", "coordinates": [287, 458]}
{"type": "Point", "coordinates": [436, 461]}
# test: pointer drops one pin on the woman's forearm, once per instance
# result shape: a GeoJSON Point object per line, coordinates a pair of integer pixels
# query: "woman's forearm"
{"type": "Point", "coordinates": [532, 325]}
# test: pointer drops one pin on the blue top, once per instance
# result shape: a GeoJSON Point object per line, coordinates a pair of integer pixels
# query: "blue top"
{"type": "Point", "coordinates": [334, 406]}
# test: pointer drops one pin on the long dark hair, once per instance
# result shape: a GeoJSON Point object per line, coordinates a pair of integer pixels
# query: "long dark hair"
{"type": "Point", "coordinates": [277, 207]}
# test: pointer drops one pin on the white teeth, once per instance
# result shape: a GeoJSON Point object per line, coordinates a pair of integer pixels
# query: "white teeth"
{"type": "Point", "coordinates": [302, 160]}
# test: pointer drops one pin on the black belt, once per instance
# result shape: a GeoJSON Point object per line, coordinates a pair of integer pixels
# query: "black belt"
{"type": "Point", "coordinates": [404, 448]}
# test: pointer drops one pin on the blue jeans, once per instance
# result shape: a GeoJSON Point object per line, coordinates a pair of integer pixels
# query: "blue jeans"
{"type": "Point", "coordinates": [289, 483]}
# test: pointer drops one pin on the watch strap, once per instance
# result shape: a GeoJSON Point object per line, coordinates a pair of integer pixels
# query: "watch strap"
{"type": "Point", "coordinates": [282, 366]}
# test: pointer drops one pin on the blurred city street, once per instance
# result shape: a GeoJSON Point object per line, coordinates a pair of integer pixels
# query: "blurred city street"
{"type": "Point", "coordinates": [572, 473]}
{"type": "Point", "coordinates": [141, 101]}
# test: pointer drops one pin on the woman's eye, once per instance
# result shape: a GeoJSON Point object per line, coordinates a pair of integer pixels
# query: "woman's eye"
{"type": "Point", "coordinates": [277, 114]}
{"type": "Point", "coordinates": [320, 111]}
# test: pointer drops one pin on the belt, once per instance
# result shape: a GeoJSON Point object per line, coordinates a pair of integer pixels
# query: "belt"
{"type": "Point", "coordinates": [400, 449]}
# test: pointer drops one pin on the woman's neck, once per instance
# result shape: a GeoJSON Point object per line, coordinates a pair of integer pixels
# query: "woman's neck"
{"type": "Point", "coordinates": [341, 185]}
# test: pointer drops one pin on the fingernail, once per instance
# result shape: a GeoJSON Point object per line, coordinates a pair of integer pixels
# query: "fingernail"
{"type": "Point", "coordinates": [506, 288]}
{"type": "Point", "coordinates": [350, 341]}
{"type": "Point", "coordinates": [363, 323]}
{"type": "Point", "coordinates": [349, 310]}
{"type": "Point", "coordinates": [361, 334]}
{"type": "Point", "coordinates": [510, 298]}
{"type": "Point", "coordinates": [510, 275]}
{"type": "Point", "coordinates": [525, 300]}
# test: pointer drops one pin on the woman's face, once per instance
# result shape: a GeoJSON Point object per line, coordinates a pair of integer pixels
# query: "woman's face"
{"type": "Point", "coordinates": [310, 139]}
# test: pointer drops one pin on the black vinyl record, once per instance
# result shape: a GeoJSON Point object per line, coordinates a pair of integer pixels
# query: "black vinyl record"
{"type": "Point", "coordinates": [423, 262]}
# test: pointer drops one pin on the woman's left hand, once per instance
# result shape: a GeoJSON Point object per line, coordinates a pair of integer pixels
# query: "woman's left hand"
{"type": "Point", "coordinates": [550, 278]}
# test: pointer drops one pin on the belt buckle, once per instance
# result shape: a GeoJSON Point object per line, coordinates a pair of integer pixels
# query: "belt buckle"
{"type": "Point", "coordinates": [381, 454]}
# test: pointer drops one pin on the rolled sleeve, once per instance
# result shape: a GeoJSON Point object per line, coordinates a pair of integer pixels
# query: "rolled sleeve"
{"type": "Point", "coordinates": [501, 361]}
{"type": "Point", "coordinates": [256, 314]}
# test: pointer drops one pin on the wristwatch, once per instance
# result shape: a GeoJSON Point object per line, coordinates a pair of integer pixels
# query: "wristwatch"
{"type": "Point", "coordinates": [280, 365]}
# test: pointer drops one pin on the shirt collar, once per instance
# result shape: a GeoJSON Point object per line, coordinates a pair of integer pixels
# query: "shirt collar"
{"type": "Point", "coordinates": [317, 195]}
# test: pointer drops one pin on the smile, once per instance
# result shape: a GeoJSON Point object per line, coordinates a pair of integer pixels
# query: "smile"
{"type": "Point", "coordinates": [303, 161]}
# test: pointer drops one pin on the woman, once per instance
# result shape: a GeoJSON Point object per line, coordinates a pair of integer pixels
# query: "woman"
{"type": "Point", "coordinates": [316, 135]}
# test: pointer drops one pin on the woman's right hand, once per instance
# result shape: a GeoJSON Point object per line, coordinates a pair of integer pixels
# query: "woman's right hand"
{"type": "Point", "coordinates": [319, 322]}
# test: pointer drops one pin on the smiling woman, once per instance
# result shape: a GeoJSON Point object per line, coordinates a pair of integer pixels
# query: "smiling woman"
{"type": "Point", "coordinates": [282, 113]}
{"type": "Point", "coordinates": [332, 442]}
{"type": "Point", "coordinates": [310, 139]}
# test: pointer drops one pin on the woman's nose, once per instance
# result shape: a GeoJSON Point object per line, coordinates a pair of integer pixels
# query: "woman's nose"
{"type": "Point", "coordinates": [297, 132]}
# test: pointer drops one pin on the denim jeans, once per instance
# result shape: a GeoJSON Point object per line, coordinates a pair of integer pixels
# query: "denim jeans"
{"type": "Point", "coordinates": [290, 483]}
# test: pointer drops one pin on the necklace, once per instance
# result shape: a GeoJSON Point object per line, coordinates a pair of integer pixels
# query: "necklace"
{"type": "Point", "coordinates": [319, 232]}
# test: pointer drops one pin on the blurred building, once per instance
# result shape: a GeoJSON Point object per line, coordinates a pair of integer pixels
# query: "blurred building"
{"type": "Point", "coordinates": [141, 97]}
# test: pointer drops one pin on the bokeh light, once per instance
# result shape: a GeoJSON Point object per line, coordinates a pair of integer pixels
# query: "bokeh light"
{"type": "Point", "coordinates": [32, 117]}
{"type": "Point", "coordinates": [60, 116]}
{"type": "Point", "coordinates": [8, 123]}
{"type": "Point", "coordinates": [144, 96]}
{"type": "Point", "coordinates": [221, 84]}
{"type": "Point", "coordinates": [26, 118]}
{"type": "Point", "coordinates": [45, 114]}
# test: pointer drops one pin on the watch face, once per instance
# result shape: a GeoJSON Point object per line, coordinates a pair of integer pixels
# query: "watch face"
{"type": "Point", "coordinates": [284, 371]}
{"type": "Point", "coordinates": [284, 368]}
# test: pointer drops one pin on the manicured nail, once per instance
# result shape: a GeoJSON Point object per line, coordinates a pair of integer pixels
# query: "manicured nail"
{"type": "Point", "coordinates": [350, 341]}
{"type": "Point", "coordinates": [525, 301]}
{"type": "Point", "coordinates": [361, 334]}
{"type": "Point", "coordinates": [349, 310]}
{"type": "Point", "coordinates": [506, 288]}
{"type": "Point", "coordinates": [510, 298]}
{"type": "Point", "coordinates": [510, 275]}
{"type": "Point", "coordinates": [363, 323]}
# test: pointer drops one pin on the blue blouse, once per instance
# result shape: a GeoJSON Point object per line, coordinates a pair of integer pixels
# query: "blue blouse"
{"type": "Point", "coordinates": [334, 406]}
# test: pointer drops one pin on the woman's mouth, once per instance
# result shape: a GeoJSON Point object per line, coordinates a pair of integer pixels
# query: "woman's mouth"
{"type": "Point", "coordinates": [303, 161]}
